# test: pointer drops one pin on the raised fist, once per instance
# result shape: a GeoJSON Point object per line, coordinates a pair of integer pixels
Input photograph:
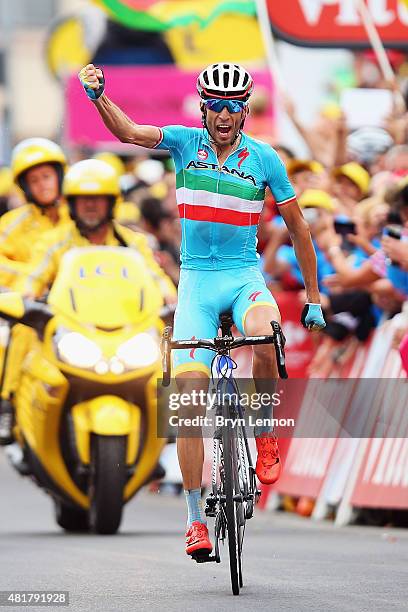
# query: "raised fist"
{"type": "Point", "coordinates": [93, 81]}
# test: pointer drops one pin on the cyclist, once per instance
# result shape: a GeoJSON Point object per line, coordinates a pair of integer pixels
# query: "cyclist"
{"type": "Point", "coordinates": [38, 167]}
{"type": "Point", "coordinates": [221, 177]}
{"type": "Point", "coordinates": [91, 188]}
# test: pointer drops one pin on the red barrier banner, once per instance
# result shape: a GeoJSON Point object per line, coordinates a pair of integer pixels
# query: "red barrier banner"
{"type": "Point", "coordinates": [337, 23]}
{"type": "Point", "coordinates": [309, 459]}
{"type": "Point", "coordinates": [382, 480]}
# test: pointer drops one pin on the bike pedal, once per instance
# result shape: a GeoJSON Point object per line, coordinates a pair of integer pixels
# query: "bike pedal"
{"type": "Point", "coordinates": [210, 505]}
{"type": "Point", "coordinates": [202, 556]}
{"type": "Point", "coordinates": [210, 512]}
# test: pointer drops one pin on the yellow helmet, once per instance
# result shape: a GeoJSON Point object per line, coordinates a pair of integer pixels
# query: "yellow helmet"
{"type": "Point", "coordinates": [34, 152]}
{"type": "Point", "coordinates": [91, 177]}
{"type": "Point", "coordinates": [113, 160]}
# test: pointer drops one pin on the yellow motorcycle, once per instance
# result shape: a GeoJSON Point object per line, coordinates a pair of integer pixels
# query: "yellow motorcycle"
{"type": "Point", "coordinates": [86, 406]}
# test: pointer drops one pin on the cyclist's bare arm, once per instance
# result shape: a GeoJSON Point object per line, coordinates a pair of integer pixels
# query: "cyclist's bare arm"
{"type": "Point", "coordinates": [117, 121]}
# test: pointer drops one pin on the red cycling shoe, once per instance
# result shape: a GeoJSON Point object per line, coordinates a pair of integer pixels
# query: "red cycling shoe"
{"type": "Point", "coordinates": [197, 539]}
{"type": "Point", "coordinates": [268, 464]}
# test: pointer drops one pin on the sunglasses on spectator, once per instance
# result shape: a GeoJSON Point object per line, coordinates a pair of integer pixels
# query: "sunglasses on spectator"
{"type": "Point", "coordinates": [233, 106]}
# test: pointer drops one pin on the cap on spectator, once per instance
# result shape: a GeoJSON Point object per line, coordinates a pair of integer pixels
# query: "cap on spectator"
{"type": "Point", "coordinates": [317, 198]}
{"type": "Point", "coordinates": [297, 165]}
{"type": "Point", "coordinates": [113, 160]}
{"type": "Point", "coordinates": [356, 173]}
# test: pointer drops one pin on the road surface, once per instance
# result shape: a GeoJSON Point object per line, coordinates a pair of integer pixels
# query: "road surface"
{"type": "Point", "coordinates": [291, 563]}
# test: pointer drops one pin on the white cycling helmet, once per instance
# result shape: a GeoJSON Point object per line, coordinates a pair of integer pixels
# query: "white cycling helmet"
{"type": "Point", "coordinates": [226, 81]}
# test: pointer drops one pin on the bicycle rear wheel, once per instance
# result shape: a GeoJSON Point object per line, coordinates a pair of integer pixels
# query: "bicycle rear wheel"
{"type": "Point", "coordinates": [230, 457]}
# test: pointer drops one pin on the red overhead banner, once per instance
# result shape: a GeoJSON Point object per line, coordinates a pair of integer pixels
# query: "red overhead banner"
{"type": "Point", "coordinates": [337, 23]}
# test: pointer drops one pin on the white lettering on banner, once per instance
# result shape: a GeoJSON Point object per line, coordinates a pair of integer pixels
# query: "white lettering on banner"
{"type": "Point", "coordinates": [312, 10]}
{"type": "Point", "coordinates": [391, 470]}
{"type": "Point", "coordinates": [376, 444]}
{"type": "Point", "coordinates": [379, 474]}
{"type": "Point", "coordinates": [401, 471]}
{"type": "Point", "coordinates": [381, 15]}
{"type": "Point", "coordinates": [348, 14]}
{"type": "Point", "coordinates": [387, 463]}
{"type": "Point", "coordinates": [310, 457]}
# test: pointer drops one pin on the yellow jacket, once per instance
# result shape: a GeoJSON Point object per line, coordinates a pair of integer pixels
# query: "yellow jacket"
{"type": "Point", "coordinates": [20, 230]}
{"type": "Point", "coordinates": [48, 252]}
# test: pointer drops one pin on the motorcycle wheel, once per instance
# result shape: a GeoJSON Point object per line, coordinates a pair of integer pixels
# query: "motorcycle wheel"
{"type": "Point", "coordinates": [108, 478]}
{"type": "Point", "coordinates": [71, 519]}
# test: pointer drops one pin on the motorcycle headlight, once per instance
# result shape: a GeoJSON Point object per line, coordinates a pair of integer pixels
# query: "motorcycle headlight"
{"type": "Point", "coordinates": [77, 350]}
{"type": "Point", "coordinates": [140, 351]}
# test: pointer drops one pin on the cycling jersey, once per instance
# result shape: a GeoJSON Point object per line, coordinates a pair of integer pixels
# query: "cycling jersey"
{"type": "Point", "coordinates": [220, 207]}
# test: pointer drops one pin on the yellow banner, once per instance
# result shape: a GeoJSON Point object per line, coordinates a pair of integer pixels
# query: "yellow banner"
{"type": "Point", "coordinates": [233, 38]}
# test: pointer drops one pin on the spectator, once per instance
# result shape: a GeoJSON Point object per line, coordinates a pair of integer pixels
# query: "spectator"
{"type": "Point", "coordinates": [368, 147]}
{"type": "Point", "coordinates": [350, 185]}
{"type": "Point", "coordinates": [284, 153]}
{"type": "Point", "coordinates": [162, 225]}
{"type": "Point", "coordinates": [279, 259]}
{"type": "Point", "coordinates": [304, 174]}
{"type": "Point", "coordinates": [396, 160]}
{"type": "Point", "coordinates": [260, 120]}
{"type": "Point", "coordinates": [386, 265]}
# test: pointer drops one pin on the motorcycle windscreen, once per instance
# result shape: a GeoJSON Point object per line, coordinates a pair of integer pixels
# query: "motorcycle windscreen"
{"type": "Point", "coordinates": [108, 287]}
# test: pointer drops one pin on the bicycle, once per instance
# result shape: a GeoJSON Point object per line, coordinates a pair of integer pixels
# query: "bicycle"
{"type": "Point", "coordinates": [234, 491]}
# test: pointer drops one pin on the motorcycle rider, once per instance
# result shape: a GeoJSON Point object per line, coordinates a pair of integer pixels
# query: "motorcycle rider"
{"type": "Point", "coordinates": [91, 188]}
{"type": "Point", "coordinates": [38, 167]}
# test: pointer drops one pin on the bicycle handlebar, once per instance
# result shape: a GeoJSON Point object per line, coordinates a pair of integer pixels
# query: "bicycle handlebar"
{"type": "Point", "coordinates": [223, 343]}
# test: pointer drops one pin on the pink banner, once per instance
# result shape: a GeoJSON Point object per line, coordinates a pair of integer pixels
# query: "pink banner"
{"type": "Point", "coordinates": [152, 95]}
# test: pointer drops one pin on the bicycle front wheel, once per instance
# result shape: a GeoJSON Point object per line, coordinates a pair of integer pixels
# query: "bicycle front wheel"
{"type": "Point", "coordinates": [230, 457]}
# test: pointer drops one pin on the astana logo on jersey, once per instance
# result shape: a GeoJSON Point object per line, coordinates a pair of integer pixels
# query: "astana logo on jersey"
{"type": "Point", "coordinates": [201, 165]}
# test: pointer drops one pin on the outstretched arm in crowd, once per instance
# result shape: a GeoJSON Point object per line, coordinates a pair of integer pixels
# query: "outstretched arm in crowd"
{"type": "Point", "coordinates": [349, 278]}
{"type": "Point", "coordinates": [326, 139]}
